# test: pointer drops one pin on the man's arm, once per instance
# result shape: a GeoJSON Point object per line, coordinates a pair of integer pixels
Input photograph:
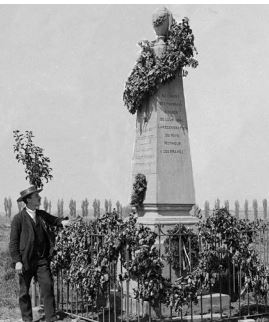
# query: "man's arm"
{"type": "Point", "coordinates": [14, 243]}
{"type": "Point", "coordinates": [53, 220]}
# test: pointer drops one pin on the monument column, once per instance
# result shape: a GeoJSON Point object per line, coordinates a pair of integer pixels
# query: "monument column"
{"type": "Point", "coordinates": [162, 150]}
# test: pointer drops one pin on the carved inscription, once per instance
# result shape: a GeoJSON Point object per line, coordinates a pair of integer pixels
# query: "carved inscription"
{"type": "Point", "coordinates": [170, 123]}
{"type": "Point", "coordinates": [144, 157]}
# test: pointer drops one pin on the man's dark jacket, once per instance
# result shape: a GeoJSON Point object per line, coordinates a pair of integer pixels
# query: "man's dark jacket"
{"type": "Point", "coordinates": [22, 236]}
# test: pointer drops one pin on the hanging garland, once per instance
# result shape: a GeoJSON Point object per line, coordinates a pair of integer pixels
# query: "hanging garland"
{"type": "Point", "coordinates": [150, 71]}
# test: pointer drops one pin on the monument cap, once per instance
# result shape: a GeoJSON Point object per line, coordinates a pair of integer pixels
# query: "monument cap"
{"type": "Point", "coordinates": [161, 21]}
{"type": "Point", "coordinates": [27, 192]}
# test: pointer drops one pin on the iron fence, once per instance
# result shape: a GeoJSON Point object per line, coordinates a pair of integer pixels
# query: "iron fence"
{"type": "Point", "coordinates": [227, 299]}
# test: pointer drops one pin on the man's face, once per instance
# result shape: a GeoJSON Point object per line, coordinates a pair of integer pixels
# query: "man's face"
{"type": "Point", "coordinates": [34, 201]}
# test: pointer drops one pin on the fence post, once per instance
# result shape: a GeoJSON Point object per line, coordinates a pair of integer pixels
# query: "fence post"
{"type": "Point", "coordinates": [264, 203]}
{"type": "Point", "coordinates": [236, 204]}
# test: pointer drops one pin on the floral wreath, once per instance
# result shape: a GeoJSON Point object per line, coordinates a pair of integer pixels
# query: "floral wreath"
{"type": "Point", "coordinates": [151, 71]}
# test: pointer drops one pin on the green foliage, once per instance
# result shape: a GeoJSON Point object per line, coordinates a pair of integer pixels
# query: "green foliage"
{"type": "Point", "coordinates": [183, 292]}
{"type": "Point", "coordinates": [86, 260]}
{"type": "Point", "coordinates": [36, 164]}
{"type": "Point", "coordinates": [86, 253]}
{"type": "Point", "coordinates": [146, 268]}
{"type": "Point", "coordinates": [150, 71]}
{"type": "Point", "coordinates": [139, 190]}
{"type": "Point", "coordinates": [181, 243]}
{"type": "Point", "coordinates": [227, 244]}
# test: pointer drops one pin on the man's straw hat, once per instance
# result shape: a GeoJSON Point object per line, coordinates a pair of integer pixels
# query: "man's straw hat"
{"type": "Point", "coordinates": [28, 192]}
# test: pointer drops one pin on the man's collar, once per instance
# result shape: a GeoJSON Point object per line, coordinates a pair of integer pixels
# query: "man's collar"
{"type": "Point", "coordinates": [30, 211]}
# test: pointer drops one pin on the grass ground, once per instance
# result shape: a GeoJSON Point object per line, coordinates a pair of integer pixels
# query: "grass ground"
{"type": "Point", "coordinates": [8, 288]}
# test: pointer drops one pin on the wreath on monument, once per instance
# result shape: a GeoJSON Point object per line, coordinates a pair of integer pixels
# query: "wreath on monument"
{"type": "Point", "coordinates": [139, 190]}
{"type": "Point", "coordinates": [150, 71]}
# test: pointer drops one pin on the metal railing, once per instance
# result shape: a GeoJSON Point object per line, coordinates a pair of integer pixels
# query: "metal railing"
{"type": "Point", "coordinates": [225, 300]}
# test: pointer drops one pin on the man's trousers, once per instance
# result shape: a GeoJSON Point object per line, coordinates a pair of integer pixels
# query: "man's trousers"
{"type": "Point", "coordinates": [41, 271]}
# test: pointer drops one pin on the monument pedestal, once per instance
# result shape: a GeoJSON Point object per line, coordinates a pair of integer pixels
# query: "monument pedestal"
{"type": "Point", "coordinates": [166, 214]}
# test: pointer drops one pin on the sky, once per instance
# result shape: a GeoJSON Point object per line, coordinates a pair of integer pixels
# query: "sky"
{"type": "Point", "coordinates": [63, 71]}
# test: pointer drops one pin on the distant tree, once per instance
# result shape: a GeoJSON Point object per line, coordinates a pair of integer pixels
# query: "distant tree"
{"type": "Point", "coordinates": [226, 205]}
{"type": "Point", "coordinates": [217, 204]}
{"type": "Point", "coordinates": [109, 206]}
{"type": "Point", "coordinates": [72, 207]}
{"type": "Point", "coordinates": [84, 207]}
{"type": "Point", "coordinates": [20, 205]}
{"type": "Point", "coordinates": [46, 204]}
{"type": "Point", "coordinates": [98, 209]}
{"type": "Point", "coordinates": [94, 205]}
{"type": "Point", "coordinates": [106, 205]}
{"type": "Point", "coordinates": [9, 203]}
{"type": "Point", "coordinates": [236, 204]}
{"type": "Point", "coordinates": [6, 206]}
{"type": "Point", "coordinates": [49, 207]}
{"type": "Point", "coordinates": [60, 207]}
{"type": "Point", "coordinates": [246, 209]}
{"type": "Point", "coordinates": [255, 208]}
{"type": "Point", "coordinates": [118, 206]}
{"type": "Point", "coordinates": [207, 209]}
{"type": "Point", "coordinates": [126, 210]}
{"type": "Point", "coordinates": [264, 203]}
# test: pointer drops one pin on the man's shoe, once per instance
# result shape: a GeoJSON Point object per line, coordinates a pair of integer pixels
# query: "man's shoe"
{"type": "Point", "coordinates": [55, 317]}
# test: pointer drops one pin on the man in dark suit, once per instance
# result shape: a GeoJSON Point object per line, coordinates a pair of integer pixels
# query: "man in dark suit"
{"type": "Point", "coordinates": [31, 248]}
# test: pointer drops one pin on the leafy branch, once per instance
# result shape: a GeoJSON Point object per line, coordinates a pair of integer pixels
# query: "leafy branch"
{"type": "Point", "coordinates": [36, 164]}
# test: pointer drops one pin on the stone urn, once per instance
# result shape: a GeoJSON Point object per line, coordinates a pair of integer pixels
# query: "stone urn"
{"type": "Point", "coordinates": [161, 21]}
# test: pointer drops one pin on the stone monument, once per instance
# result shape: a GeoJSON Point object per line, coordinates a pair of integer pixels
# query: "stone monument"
{"type": "Point", "coordinates": [162, 149]}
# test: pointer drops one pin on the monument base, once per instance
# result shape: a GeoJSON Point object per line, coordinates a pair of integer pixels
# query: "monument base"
{"type": "Point", "coordinates": [166, 214]}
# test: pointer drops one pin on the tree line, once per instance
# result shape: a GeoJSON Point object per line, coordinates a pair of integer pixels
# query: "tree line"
{"type": "Point", "coordinates": [74, 210]}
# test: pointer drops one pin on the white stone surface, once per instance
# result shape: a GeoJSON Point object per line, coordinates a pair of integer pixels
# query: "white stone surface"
{"type": "Point", "coordinates": [198, 318]}
{"type": "Point", "coordinates": [220, 302]}
{"type": "Point", "coordinates": [162, 150]}
{"type": "Point", "coordinates": [162, 154]}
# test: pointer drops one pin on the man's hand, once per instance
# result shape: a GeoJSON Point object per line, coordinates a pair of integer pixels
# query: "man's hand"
{"type": "Point", "coordinates": [18, 267]}
{"type": "Point", "coordinates": [66, 223]}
